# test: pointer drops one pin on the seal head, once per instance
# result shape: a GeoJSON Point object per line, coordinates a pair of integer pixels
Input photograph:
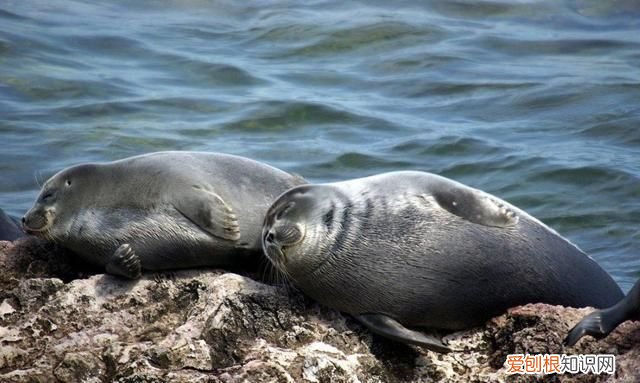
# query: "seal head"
{"type": "Point", "coordinates": [298, 224]}
{"type": "Point", "coordinates": [56, 193]}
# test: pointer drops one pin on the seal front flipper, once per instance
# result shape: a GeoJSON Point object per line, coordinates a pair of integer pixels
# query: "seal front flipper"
{"type": "Point", "coordinates": [208, 211]}
{"type": "Point", "coordinates": [474, 206]}
{"type": "Point", "coordinates": [125, 263]}
{"type": "Point", "coordinates": [390, 328]}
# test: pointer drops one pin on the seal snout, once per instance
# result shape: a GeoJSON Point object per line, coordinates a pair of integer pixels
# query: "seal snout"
{"type": "Point", "coordinates": [271, 247]}
{"type": "Point", "coordinates": [270, 237]}
{"type": "Point", "coordinates": [278, 236]}
{"type": "Point", "coordinates": [283, 233]}
{"type": "Point", "coordinates": [36, 221]}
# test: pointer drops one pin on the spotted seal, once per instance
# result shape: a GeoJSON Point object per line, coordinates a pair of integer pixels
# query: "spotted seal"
{"type": "Point", "coordinates": [413, 249]}
{"type": "Point", "coordinates": [164, 210]}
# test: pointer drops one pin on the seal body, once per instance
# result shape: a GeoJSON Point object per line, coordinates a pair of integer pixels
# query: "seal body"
{"type": "Point", "coordinates": [9, 229]}
{"type": "Point", "coordinates": [164, 210]}
{"type": "Point", "coordinates": [416, 249]}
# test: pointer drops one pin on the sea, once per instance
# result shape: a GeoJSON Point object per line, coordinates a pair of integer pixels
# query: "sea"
{"type": "Point", "coordinates": [535, 101]}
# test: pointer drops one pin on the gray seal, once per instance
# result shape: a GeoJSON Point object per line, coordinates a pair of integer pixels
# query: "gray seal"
{"type": "Point", "coordinates": [9, 229]}
{"type": "Point", "coordinates": [418, 250]}
{"type": "Point", "coordinates": [159, 211]}
{"type": "Point", "coordinates": [600, 323]}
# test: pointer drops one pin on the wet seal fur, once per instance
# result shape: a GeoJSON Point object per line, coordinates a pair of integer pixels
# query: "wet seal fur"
{"type": "Point", "coordinates": [159, 211]}
{"type": "Point", "coordinates": [418, 250]}
{"type": "Point", "coordinates": [600, 323]}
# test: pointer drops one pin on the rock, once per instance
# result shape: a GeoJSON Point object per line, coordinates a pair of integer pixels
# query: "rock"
{"type": "Point", "coordinates": [59, 322]}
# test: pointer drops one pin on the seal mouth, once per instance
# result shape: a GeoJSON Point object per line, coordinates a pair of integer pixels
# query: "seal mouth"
{"type": "Point", "coordinates": [36, 224]}
{"type": "Point", "coordinates": [277, 258]}
{"type": "Point", "coordinates": [277, 239]}
{"type": "Point", "coordinates": [274, 253]}
{"type": "Point", "coordinates": [36, 231]}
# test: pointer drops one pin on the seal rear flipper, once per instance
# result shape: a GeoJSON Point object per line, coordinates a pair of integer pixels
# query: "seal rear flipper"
{"type": "Point", "coordinates": [600, 323]}
{"type": "Point", "coordinates": [474, 206]}
{"type": "Point", "coordinates": [208, 211]}
{"type": "Point", "coordinates": [125, 263]}
{"type": "Point", "coordinates": [390, 328]}
{"type": "Point", "coordinates": [589, 325]}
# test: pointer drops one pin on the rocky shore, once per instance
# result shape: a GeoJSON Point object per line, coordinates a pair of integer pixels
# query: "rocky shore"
{"type": "Point", "coordinates": [60, 322]}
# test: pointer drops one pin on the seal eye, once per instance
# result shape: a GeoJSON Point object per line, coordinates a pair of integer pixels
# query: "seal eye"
{"type": "Point", "coordinates": [67, 182]}
{"type": "Point", "coordinates": [47, 197]}
{"type": "Point", "coordinates": [285, 209]}
{"type": "Point", "coordinates": [328, 218]}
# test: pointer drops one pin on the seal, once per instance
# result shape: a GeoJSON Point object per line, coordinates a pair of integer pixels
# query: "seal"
{"type": "Point", "coordinates": [413, 249]}
{"type": "Point", "coordinates": [159, 211]}
{"type": "Point", "coordinates": [600, 323]}
{"type": "Point", "coordinates": [9, 229]}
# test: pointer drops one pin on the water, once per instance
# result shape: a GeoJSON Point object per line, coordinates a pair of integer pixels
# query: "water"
{"type": "Point", "coordinates": [534, 101]}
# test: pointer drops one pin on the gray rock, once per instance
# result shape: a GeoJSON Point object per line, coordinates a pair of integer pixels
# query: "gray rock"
{"type": "Point", "coordinates": [61, 324]}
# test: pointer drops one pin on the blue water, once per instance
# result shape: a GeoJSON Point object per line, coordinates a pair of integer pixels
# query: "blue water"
{"type": "Point", "coordinates": [537, 102]}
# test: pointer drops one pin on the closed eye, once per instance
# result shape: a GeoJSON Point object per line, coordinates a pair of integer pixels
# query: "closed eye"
{"type": "Point", "coordinates": [47, 197]}
{"type": "Point", "coordinates": [328, 218]}
{"type": "Point", "coordinates": [288, 207]}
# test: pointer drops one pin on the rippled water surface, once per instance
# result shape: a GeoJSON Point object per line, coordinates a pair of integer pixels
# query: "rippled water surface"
{"type": "Point", "coordinates": [537, 102]}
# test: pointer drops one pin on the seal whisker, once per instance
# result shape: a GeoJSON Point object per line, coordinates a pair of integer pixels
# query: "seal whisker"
{"type": "Point", "coordinates": [35, 176]}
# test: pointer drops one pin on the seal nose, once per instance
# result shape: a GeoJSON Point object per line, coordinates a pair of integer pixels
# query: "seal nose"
{"type": "Point", "coordinates": [269, 237]}
{"type": "Point", "coordinates": [24, 220]}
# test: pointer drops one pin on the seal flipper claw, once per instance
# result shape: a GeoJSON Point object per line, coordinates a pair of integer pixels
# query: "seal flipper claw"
{"type": "Point", "coordinates": [390, 328]}
{"type": "Point", "coordinates": [208, 211]}
{"type": "Point", "coordinates": [475, 206]}
{"type": "Point", "coordinates": [125, 263]}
